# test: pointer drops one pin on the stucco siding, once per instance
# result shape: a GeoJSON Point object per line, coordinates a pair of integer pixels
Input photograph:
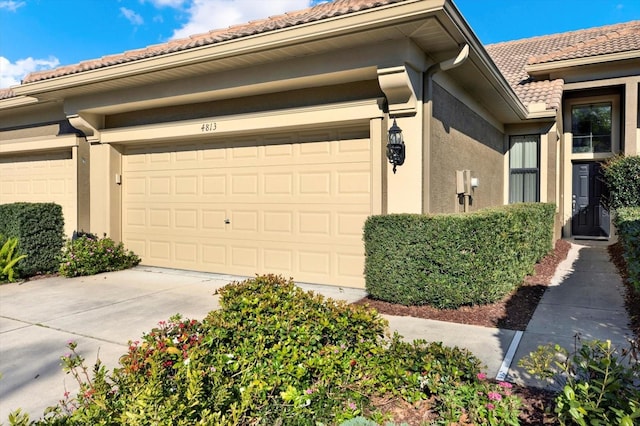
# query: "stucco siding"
{"type": "Point", "coordinates": [274, 101]}
{"type": "Point", "coordinates": [461, 139]}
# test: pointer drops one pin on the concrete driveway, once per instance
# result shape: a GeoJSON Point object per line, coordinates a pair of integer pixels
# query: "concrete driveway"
{"type": "Point", "coordinates": [102, 313]}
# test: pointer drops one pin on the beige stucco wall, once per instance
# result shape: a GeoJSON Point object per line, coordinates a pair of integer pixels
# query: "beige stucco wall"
{"type": "Point", "coordinates": [245, 105]}
{"type": "Point", "coordinates": [105, 209]}
{"type": "Point", "coordinates": [461, 139]}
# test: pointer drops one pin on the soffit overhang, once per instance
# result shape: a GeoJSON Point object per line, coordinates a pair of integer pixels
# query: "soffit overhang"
{"type": "Point", "coordinates": [435, 26]}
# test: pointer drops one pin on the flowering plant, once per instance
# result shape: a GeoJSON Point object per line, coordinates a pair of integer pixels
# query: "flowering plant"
{"type": "Point", "coordinates": [482, 402]}
{"type": "Point", "coordinates": [89, 255]}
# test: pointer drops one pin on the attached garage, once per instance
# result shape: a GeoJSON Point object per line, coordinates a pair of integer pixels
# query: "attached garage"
{"type": "Point", "coordinates": [43, 176]}
{"type": "Point", "coordinates": [291, 204]}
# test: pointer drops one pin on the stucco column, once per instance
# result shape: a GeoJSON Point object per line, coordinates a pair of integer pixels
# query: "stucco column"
{"type": "Point", "coordinates": [631, 130]}
{"type": "Point", "coordinates": [105, 191]}
{"type": "Point", "coordinates": [403, 89]}
{"type": "Point", "coordinates": [404, 188]}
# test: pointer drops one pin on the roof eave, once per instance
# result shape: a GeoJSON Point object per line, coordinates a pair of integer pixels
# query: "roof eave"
{"type": "Point", "coordinates": [17, 101]}
{"type": "Point", "coordinates": [499, 82]}
{"type": "Point", "coordinates": [271, 40]}
{"type": "Point", "coordinates": [546, 114]}
{"type": "Point", "coordinates": [547, 67]}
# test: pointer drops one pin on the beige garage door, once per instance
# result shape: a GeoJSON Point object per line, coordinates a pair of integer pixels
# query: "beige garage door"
{"type": "Point", "coordinates": [291, 204]}
{"type": "Point", "coordinates": [41, 178]}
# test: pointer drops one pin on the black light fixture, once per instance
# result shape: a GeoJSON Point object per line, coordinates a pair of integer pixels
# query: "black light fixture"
{"type": "Point", "coordinates": [395, 146]}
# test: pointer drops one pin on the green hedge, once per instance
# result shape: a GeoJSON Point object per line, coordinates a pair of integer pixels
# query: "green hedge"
{"type": "Point", "coordinates": [628, 224]}
{"type": "Point", "coordinates": [39, 228]}
{"type": "Point", "coordinates": [452, 260]}
{"type": "Point", "coordinates": [622, 175]}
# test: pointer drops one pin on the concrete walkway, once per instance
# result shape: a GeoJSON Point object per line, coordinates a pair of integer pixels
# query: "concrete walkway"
{"type": "Point", "coordinates": [103, 312]}
{"type": "Point", "coordinates": [586, 299]}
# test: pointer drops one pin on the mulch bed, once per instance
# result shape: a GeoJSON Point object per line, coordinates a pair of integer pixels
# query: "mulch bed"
{"type": "Point", "coordinates": [513, 312]}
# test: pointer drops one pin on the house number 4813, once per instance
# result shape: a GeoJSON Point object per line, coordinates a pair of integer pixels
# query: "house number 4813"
{"type": "Point", "coordinates": [208, 127]}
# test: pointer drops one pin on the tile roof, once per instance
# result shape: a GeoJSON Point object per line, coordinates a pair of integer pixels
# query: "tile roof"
{"type": "Point", "coordinates": [6, 94]}
{"type": "Point", "coordinates": [513, 56]}
{"type": "Point", "coordinates": [604, 40]}
{"type": "Point", "coordinates": [510, 57]}
{"type": "Point", "coordinates": [289, 19]}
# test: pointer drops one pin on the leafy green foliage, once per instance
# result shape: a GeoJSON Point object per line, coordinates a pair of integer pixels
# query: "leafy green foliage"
{"type": "Point", "coordinates": [600, 385]}
{"type": "Point", "coordinates": [627, 222]}
{"type": "Point", "coordinates": [272, 355]}
{"type": "Point", "coordinates": [622, 176]}
{"type": "Point", "coordinates": [39, 228]}
{"type": "Point", "coordinates": [452, 260]}
{"type": "Point", "coordinates": [89, 255]}
{"type": "Point", "coordinates": [482, 402]}
{"type": "Point", "coordinates": [8, 258]}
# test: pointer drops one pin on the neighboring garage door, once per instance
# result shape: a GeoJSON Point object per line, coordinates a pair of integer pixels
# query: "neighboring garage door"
{"type": "Point", "coordinates": [291, 204]}
{"type": "Point", "coordinates": [41, 178]}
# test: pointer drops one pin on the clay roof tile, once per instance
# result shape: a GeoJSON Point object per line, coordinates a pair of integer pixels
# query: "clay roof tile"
{"type": "Point", "coordinates": [316, 13]}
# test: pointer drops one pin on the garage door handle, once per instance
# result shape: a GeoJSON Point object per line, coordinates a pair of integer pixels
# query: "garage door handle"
{"type": "Point", "coordinates": [227, 221]}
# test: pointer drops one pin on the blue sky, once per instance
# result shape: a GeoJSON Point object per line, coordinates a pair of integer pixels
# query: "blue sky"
{"type": "Point", "coordinates": [41, 34]}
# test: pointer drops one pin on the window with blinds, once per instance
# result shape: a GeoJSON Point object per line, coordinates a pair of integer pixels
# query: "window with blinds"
{"type": "Point", "coordinates": [524, 169]}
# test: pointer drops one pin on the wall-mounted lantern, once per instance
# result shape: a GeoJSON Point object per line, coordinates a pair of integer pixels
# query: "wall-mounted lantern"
{"type": "Point", "coordinates": [395, 146]}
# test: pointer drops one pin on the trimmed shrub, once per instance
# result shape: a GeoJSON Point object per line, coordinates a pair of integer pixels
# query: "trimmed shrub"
{"type": "Point", "coordinates": [39, 228]}
{"type": "Point", "coordinates": [627, 221]}
{"type": "Point", "coordinates": [274, 355]}
{"type": "Point", "coordinates": [452, 260]}
{"type": "Point", "coordinates": [88, 255]}
{"type": "Point", "coordinates": [622, 176]}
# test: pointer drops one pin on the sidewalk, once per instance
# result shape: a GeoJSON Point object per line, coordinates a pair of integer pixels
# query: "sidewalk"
{"type": "Point", "coordinates": [586, 299]}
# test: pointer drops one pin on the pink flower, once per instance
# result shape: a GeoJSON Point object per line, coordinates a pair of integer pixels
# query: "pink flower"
{"type": "Point", "coordinates": [494, 396]}
{"type": "Point", "coordinates": [490, 406]}
{"type": "Point", "coordinates": [352, 405]}
{"type": "Point", "coordinates": [308, 391]}
{"type": "Point", "coordinates": [505, 385]}
{"type": "Point", "coordinates": [481, 376]}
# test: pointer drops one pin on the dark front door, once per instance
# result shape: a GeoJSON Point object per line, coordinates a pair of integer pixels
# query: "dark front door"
{"type": "Point", "coordinates": [590, 217]}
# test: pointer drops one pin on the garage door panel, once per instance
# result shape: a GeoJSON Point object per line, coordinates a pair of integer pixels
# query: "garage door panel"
{"type": "Point", "coordinates": [230, 154]}
{"type": "Point", "coordinates": [214, 257]}
{"type": "Point", "coordinates": [254, 205]}
{"type": "Point", "coordinates": [49, 177]}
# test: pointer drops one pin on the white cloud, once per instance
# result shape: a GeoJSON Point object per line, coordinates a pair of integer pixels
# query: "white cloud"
{"type": "Point", "coordinates": [132, 16]}
{"type": "Point", "coordinates": [207, 15]}
{"type": "Point", "coordinates": [11, 5]}
{"type": "Point", "coordinates": [12, 73]}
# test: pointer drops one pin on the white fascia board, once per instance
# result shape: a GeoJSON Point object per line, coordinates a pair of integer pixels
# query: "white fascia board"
{"type": "Point", "coordinates": [17, 101]}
